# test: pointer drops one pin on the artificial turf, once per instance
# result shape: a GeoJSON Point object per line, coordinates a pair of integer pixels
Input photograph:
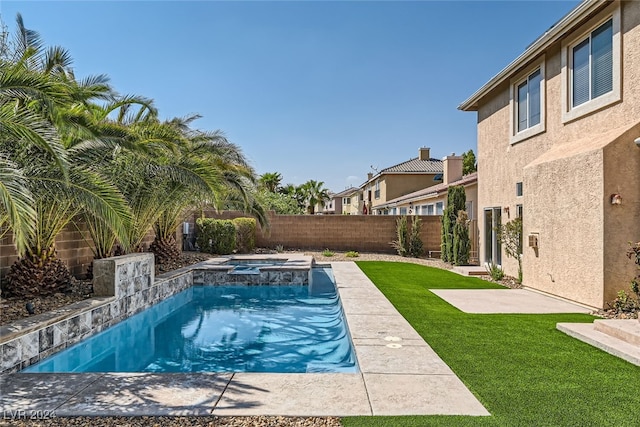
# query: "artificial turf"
{"type": "Point", "coordinates": [523, 370]}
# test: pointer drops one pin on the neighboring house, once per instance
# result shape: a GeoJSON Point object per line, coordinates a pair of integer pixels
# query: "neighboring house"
{"type": "Point", "coordinates": [392, 182]}
{"type": "Point", "coordinates": [327, 208]}
{"type": "Point", "coordinates": [559, 145]}
{"type": "Point", "coordinates": [433, 200]}
{"type": "Point", "coordinates": [346, 201]}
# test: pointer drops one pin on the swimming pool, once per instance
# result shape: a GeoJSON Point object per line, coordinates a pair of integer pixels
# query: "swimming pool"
{"type": "Point", "coordinates": [228, 328]}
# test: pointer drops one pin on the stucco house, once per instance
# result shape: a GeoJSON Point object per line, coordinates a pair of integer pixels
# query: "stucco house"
{"type": "Point", "coordinates": [341, 203]}
{"type": "Point", "coordinates": [392, 182]}
{"type": "Point", "coordinates": [559, 145]}
{"type": "Point", "coordinates": [433, 200]}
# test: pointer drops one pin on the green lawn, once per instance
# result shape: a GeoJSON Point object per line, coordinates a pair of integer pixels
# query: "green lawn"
{"type": "Point", "coordinates": [523, 370]}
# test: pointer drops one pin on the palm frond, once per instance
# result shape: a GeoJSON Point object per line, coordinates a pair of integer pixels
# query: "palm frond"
{"type": "Point", "coordinates": [17, 203]}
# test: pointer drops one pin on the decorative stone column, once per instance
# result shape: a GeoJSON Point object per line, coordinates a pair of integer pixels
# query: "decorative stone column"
{"type": "Point", "coordinates": [124, 275]}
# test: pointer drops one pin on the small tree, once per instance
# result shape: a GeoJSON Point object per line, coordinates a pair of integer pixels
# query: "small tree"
{"type": "Point", "coordinates": [510, 236]}
{"type": "Point", "coordinates": [469, 163]}
{"type": "Point", "coordinates": [461, 241]}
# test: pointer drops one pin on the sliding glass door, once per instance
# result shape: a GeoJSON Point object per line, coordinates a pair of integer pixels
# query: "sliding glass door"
{"type": "Point", "coordinates": [492, 248]}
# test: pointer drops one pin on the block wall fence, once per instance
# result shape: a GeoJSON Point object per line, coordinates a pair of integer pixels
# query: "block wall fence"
{"type": "Point", "coordinates": [362, 233]}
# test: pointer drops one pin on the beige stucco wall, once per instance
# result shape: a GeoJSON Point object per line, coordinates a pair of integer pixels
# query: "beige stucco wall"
{"type": "Point", "coordinates": [621, 222]}
{"type": "Point", "coordinates": [396, 185]}
{"type": "Point", "coordinates": [565, 196]}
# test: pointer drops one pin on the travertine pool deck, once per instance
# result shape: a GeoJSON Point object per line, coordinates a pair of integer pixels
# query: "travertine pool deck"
{"type": "Point", "coordinates": [399, 375]}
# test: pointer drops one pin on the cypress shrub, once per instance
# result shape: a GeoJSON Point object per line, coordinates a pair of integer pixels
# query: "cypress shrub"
{"type": "Point", "coordinates": [415, 243]}
{"type": "Point", "coordinates": [456, 201]}
{"type": "Point", "coordinates": [461, 241]}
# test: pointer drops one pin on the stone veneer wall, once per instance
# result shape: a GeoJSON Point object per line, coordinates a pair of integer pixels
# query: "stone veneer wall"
{"type": "Point", "coordinates": [215, 276]}
{"type": "Point", "coordinates": [26, 342]}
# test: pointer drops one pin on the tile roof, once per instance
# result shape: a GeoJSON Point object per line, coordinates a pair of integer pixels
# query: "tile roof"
{"type": "Point", "coordinates": [346, 192]}
{"type": "Point", "coordinates": [416, 165]}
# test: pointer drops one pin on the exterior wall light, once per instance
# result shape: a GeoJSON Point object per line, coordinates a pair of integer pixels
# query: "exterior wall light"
{"type": "Point", "coordinates": [616, 199]}
{"type": "Point", "coordinates": [637, 141]}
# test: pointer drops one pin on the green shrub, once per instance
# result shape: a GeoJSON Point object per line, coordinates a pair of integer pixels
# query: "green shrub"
{"type": "Point", "coordinates": [327, 253]}
{"type": "Point", "coordinates": [456, 201]}
{"type": "Point", "coordinates": [245, 234]}
{"type": "Point", "coordinates": [408, 242]}
{"type": "Point", "coordinates": [461, 241]}
{"type": "Point", "coordinates": [352, 254]}
{"type": "Point", "coordinates": [624, 302]}
{"type": "Point", "coordinates": [495, 271]}
{"type": "Point", "coordinates": [401, 245]}
{"type": "Point", "coordinates": [415, 243]}
{"type": "Point", "coordinates": [216, 236]}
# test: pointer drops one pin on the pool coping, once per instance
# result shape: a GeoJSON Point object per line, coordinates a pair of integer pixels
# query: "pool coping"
{"type": "Point", "coordinates": [399, 375]}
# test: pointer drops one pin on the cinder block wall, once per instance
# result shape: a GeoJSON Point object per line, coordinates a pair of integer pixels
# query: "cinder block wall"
{"type": "Point", "coordinates": [73, 245]}
{"type": "Point", "coordinates": [363, 233]}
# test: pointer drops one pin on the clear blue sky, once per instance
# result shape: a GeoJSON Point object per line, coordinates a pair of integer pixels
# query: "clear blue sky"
{"type": "Point", "coordinates": [314, 90]}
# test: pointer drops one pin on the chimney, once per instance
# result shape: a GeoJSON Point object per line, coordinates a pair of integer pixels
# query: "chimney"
{"type": "Point", "coordinates": [423, 153]}
{"type": "Point", "coordinates": [452, 168]}
{"type": "Point", "coordinates": [369, 176]}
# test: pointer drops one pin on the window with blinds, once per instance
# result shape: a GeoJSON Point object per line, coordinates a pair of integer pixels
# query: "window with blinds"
{"type": "Point", "coordinates": [592, 65]}
{"type": "Point", "coordinates": [528, 102]}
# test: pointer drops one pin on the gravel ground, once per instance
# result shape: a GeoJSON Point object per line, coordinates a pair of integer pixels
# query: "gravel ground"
{"type": "Point", "coordinates": [178, 422]}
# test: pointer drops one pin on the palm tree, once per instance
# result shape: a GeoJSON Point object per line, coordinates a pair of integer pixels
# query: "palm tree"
{"type": "Point", "coordinates": [215, 172]}
{"type": "Point", "coordinates": [315, 193]}
{"type": "Point", "coordinates": [42, 106]}
{"type": "Point", "coordinates": [271, 181]}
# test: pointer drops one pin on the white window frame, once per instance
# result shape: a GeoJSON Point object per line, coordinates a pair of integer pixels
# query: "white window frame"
{"type": "Point", "coordinates": [430, 207]}
{"type": "Point", "coordinates": [441, 205]}
{"type": "Point", "coordinates": [570, 113]}
{"type": "Point", "coordinates": [513, 102]}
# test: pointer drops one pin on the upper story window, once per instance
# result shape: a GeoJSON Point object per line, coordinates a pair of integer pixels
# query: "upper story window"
{"type": "Point", "coordinates": [346, 200]}
{"type": "Point", "coordinates": [439, 208]}
{"type": "Point", "coordinates": [527, 95]}
{"type": "Point", "coordinates": [528, 103]}
{"type": "Point", "coordinates": [591, 66]}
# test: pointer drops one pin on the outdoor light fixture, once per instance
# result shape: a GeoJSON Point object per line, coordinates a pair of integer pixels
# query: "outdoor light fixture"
{"type": "Point", "coordinates": [616, 199]}
{"type": "Point", "coordinates": [637, 141]}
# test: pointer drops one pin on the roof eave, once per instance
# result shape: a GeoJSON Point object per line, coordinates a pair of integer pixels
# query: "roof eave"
{"type": "Point", "coordinates": [536, 48]}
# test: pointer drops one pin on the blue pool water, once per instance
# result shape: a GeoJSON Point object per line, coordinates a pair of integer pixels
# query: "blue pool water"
{"type": "Point", "coordinates": [223, 329]}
